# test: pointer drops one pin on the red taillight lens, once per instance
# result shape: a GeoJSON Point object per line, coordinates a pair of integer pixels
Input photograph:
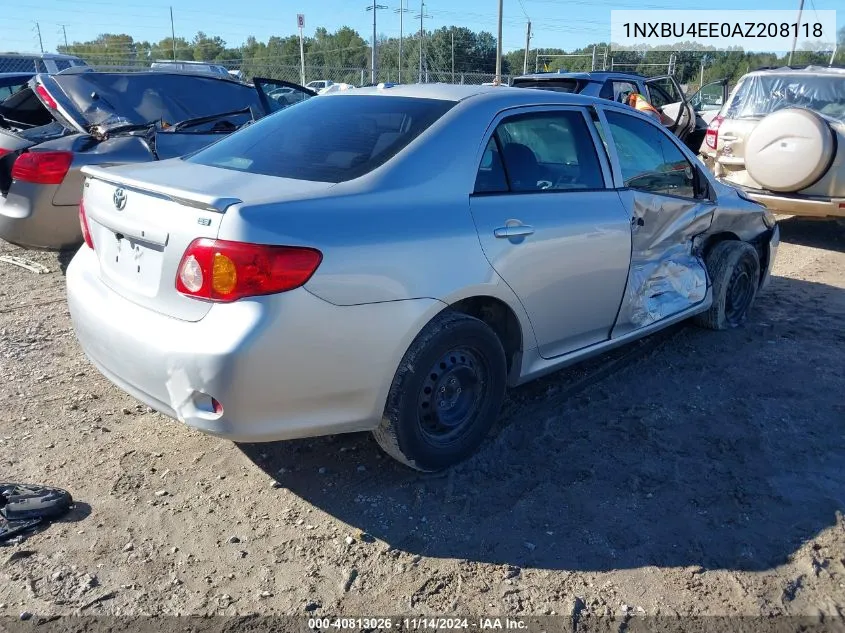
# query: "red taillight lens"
{"type": "Point", "coordinates": [48, 100]}
{"type": "Point", "coordinates": [43, 168]}
{"type": "Point", "coordinates": [711, 138]}
{"type": "Point", "coordinates": [83, 222]}
{"type": "Point", "coordinates": [3, 152]}
{"type": "Point", "coordinates": [220, 270]}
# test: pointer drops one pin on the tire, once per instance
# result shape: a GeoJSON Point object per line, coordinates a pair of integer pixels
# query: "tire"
{"type": "Point", "coordinates": [790, 150]}
{"type": "Point", "coordinates": [462, 359]}
{"type": "Point", "coordinates": [734, 270]}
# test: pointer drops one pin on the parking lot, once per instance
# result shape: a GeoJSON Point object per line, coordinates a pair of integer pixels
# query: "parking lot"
{"type": "Point", "coordinates": [694, 472]}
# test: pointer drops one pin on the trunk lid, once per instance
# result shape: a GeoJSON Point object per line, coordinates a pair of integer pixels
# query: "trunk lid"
{"type": "Point", "coordinates": [142, 219]}
{"type": "Point", "coordinates": [111, 100]}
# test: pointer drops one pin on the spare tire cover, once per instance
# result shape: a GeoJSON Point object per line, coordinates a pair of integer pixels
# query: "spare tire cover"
{"type": "Point", "coordinates": [789, 150]}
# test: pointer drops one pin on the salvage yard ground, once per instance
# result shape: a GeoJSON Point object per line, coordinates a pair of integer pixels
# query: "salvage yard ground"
{"type": "Point", "coordinates": [695, 472]}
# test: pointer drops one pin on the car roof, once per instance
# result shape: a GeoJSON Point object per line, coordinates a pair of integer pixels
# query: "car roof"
{"type": "Point", "coordinates": [597, 75]}
{"type": "Point", "coordinates": [798, 70]}
{"type": "Point", "coordinates": [451, 92]}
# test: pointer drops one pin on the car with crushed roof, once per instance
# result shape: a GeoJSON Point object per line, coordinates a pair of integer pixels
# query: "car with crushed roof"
{"type": "Point", "coordinates": [780, 137]}
{"type": "Point", "coordinates": [61, 123]}
{"type": "Point", "coordinates": [392, 259]}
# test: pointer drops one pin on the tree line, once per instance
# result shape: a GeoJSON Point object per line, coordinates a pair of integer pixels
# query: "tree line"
{"type": "Point", "coordinates": [444, 50]}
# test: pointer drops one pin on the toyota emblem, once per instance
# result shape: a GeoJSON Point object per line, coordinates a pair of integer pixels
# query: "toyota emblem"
{"type": "Point", "coordinates": [119, 199]}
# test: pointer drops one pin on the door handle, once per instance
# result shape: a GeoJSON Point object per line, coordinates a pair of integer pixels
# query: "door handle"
{"type": "Point", "coordinates": [520, 230]}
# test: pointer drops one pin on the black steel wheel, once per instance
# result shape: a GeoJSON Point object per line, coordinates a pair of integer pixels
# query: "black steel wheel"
{"type": "Point", "coordinates": [446, 394]}
{"type": "Point", "coordinates": [734, 271]}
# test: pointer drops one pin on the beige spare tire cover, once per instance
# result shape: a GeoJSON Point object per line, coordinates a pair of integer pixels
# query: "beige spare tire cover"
{"type": "Point", "coordinates": [789, 150]}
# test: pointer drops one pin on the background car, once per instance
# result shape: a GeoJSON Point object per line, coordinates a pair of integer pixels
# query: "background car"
{"type": "Point", "coordinates": [664, 93]}
{"type": "Point", "coordinates": [390, 259]}
{"type": "Point", "coordinates": [60, 123]}
{"type": "Point", "coordinates": [191, 67]}
{"type": "Point", "coordinates": [319, 84]}
{"type": "Point", "coordinates": [38, 62]}
{"type": "Point", "coordinates": [781, 137]}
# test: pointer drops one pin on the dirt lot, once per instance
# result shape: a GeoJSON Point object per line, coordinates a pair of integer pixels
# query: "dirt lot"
{"type": "Point", "coordinates": [693, 473]}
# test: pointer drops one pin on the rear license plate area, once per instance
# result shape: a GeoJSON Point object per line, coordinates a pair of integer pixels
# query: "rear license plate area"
{"type": "Point", "coordinates": [132, 262]}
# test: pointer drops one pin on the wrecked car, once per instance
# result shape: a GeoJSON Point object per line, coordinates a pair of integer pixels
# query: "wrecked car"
{"type": "Point", "coordinates": [663, 95]}
{"type": "Point", "coordinates": [61, 123]}
{"type": "Point", "coordinates": [781, 138]}
{"type": "Point", "coordinates": [391, 259]}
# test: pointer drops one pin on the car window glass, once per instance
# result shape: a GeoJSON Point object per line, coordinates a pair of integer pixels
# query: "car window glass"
{"type": "Point", "coordinates": [62, 64]}
{"type": "Point", "coordinates": [326, 139]}
{"type": "Point", "coordinates": [549, 151]}
{"type": "Point", "coordinates": [40, 67]}
{"type": "Point", "coordinates": [491, 174]}
{"type": "Point", "coordinates": [616, 90]}
{"type": "Point", "coordinates": [648, 158]}
{"type": "Point", "coordinates": [663, 92]}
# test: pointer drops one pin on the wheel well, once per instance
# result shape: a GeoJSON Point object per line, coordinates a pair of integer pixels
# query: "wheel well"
{"type": "Point", "coordinates": [759, 243]}
{"type": "Point", "coordinates": [716, 239]}
{"type": "Point", "coordinates": [499, 317]}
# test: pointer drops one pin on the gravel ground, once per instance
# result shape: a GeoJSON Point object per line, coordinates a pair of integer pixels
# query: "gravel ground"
{"type": "Point", "coordinates": [692, 473]}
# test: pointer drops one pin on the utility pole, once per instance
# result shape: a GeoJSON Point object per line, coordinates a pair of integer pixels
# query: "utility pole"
{"type": "Point", "coordinates": [64, 32]}
{"type": "Point", "coordinates": [40, 41]}
{"type": "Point", "coordinates": [422, 16]}
{"type": "Point", "coordinates": [701, 81]}
{"type": "Point", "coordinates": [498, 79]}
{"type": "Point", "coordinates": [795, 39]}
{"type": "Point", "coordinates": [172, 34]}
{"type": "Point", "coordinates": [453, 54]}
{"type": "Point", "coordinates": [401, 11]}
{"type": "Point", "coordinates": [300, 23]}
{"type": "Point", "coordinates": [527, 47]}
{"type": "Point", "coordinates": [374, 9]}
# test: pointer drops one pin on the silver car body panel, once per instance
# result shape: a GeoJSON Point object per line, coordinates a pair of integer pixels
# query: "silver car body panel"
{"type": "Point", "coordinates": [400, 244]}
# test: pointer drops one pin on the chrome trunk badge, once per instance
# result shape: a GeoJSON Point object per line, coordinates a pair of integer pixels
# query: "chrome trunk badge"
{"type": "Point", "coordinates": [119, 199]}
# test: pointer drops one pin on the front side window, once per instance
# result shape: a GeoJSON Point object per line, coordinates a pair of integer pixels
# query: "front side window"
{"type": "Point", "coordinates": [327, 139]}
{"type": "Point", "coordinates": [648, 158]}
{"type": "Point", "coordinates": [549, 151]}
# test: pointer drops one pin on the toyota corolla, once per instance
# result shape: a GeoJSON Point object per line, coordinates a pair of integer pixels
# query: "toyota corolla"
{"type": "Point", "coordinates": [392, 259]}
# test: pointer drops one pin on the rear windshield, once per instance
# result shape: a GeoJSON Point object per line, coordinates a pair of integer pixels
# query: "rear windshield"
{"type": "Point", "coordinates": [326, 139]}
{"type": "Point", "coordinates": [555, 85]}
{"type": "Point", "coordinates": [759, 95]}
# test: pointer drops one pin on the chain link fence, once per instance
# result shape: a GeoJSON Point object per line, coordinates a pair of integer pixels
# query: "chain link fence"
{"type": "Point", "coordinates": [268, 69]}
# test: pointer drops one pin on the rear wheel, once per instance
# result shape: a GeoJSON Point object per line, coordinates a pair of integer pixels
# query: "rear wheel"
{"type": "Point", "coordinates": [446, 394]}
{"type": "Point", "coordinates": [734, 269]}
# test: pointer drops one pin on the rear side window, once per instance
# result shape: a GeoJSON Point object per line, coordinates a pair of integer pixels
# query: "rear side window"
{"type": "Point", "coordinates": [326, 139]}
{"type": "Point", "coordinates": [62, 64]}
{"type": "Point", "coordinates": [549, 151]}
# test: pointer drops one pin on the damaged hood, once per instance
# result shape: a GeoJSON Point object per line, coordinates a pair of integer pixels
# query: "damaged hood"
{"type": "Point", "coordinates": [112, 100]}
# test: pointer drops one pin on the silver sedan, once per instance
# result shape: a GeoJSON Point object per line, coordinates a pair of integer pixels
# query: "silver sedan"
{"type": "Point", "coordinates": [392, 259]}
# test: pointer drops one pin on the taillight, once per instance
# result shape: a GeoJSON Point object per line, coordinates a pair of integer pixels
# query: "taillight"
{"type": "Point", "coordinates": [711, 138]}
{"type": "Point", "coordinates": [43, 168]}
{"type": "Point", "coordinates": [3, 152]}
{"type": "Point", "coordinates": [48, 100]}
{"type": "Point", "coordinates": [220, 270]}
{"type": "Point", "coordinates": [83, 223]}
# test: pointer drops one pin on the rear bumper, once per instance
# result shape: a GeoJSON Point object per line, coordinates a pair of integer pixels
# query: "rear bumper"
{"type": "Point", "coordinates": [283, 366]}
{"type": "Point", "coordinates": [803, 206]}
